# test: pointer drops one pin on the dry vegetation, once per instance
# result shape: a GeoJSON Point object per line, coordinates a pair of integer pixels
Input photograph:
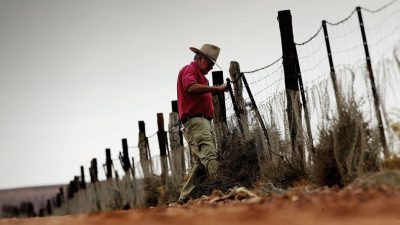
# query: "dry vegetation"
{"type": "Point", "coordinates": [347, 148]}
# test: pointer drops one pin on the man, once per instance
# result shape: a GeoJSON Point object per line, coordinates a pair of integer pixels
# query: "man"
{"type": "Point", "coordinates": [196, 111]}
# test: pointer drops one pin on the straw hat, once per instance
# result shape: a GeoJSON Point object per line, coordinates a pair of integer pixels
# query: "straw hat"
{"type": "Point", "coordinates": [210, 51]}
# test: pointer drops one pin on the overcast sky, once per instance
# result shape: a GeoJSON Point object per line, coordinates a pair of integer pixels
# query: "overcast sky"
{"type": "Point", "coordinates": [77, 76]}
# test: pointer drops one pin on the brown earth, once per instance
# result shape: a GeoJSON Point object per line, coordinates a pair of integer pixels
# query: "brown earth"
{"type": "Point", "coordinates": [354, 205]}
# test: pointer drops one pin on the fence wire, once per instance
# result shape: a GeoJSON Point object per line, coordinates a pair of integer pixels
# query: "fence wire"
{"type": "Point", "coordinates": [349, 61]}
{"type": "Point", "coordinates": [267, 83]}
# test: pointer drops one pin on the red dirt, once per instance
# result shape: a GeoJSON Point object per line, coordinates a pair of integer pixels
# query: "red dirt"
{"type": "Point", "coordinates": [356, 206]}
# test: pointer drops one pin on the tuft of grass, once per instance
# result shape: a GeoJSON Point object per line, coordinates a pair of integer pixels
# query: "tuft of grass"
{"type": "Point", "coordinates": [151, 191]}
{"type": "Point", "coordinates": [347, 148]}
{"type": "Point", "coordinates": [392, 163]}
{"type": "Point", "coordinates": [238, 167]}
{"type": "Point", "coordinates": [325, 170]}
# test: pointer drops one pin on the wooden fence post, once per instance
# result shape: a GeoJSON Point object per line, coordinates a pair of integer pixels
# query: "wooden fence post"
{"type": "Point", "coordinates": [373, 86]}
{"type": "Point", "coordinates": [70, 190]}
{"type": "Point", "coordinates": [125, 156]}
{"type": "Point", "coordinates": [62, 196]}
{"type": "Point", "coordinates": [234, 71]}
{"type": "Point", "coordinates": [49, 208]}
{"type": "Point", "coordinates": [108, 164]}
{"type": "Point", "coordinates": [76, 184]}
{"type": "Point", "coordinates": [144, 150]}
{"type": "Point", "coordinates": [235, 106]}
{"type": "Point", "coordinates": [220, 125]}
{"type": "Point", "coordinates": [93, 171]}
{"type": "Point", "coordinates": [162, 138]}
{"type": "Point", "coordinates": [176, 144]}
{"type": "Point", "coordinates": [292, 70]}
{"type": "Point", "coordinates": [83, 182]}
{"type": "Point", "coordinates": [58, 200]}
{"type": "Point", "coordinates": [94, 179]}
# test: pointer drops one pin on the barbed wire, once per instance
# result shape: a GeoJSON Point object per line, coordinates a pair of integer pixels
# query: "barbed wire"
{"type": "Point", "coordinates": [311, 38]}
{"type": "Point", "coordinates": [379, 9]}
{"type": "Point", "coordinates": [265, 67]}
{"type": "Point", "coordinates": [343, 20]}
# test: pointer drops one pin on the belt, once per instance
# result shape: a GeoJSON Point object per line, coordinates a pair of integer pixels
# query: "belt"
{"type": "Point", "coordinates": [187, 118]}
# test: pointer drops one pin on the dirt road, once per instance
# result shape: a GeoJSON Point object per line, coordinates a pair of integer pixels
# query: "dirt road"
{"type": "Point", "coordinates": [350, 206]}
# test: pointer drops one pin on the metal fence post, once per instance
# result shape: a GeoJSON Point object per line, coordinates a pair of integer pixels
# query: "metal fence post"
{"type": "Point", "coordinates": [373, 86]}
{"type": "Point", "coordinates": [260, 120]}
{"type": "Point", "coordinates": [332, 68]}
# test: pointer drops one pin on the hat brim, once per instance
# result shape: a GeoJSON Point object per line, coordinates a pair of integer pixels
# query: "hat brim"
{"type": "Point", "coordinates": [197, 51]}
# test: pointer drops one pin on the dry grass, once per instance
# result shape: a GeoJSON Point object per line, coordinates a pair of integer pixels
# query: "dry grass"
{"type": "Point", "coordinates": [151, 191]}
{"type": "Point", "coordinates": [347, 148]}
{"type": "Point", "coordinates": [392, 163]}
{"type": "Point", "coordinates": [238, 166]}
{"type": "Point", "coordinates": [325, 170]}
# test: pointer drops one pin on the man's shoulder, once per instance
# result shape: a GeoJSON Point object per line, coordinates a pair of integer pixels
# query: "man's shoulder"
{"type": "Point", "coordinates": [190, 68]}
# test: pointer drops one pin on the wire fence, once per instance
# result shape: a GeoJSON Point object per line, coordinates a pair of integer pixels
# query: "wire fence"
{"type": "Point", "coordinates": [349, 61]}
{"type": "Point", "coordinates": [348, 57]}
{"type": "Point", "coordinates": [267, 84]}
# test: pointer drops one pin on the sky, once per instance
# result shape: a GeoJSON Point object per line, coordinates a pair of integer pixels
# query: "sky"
{"type": "Point", "coordinates": [77, 76]}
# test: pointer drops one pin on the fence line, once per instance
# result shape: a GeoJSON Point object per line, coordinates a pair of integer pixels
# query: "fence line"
{"type": "Point", "coordinates": [265, 100]}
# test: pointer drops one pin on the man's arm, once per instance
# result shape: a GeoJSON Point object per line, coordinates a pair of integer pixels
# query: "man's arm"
{"type": "Point", "coordinates": [200, 88]}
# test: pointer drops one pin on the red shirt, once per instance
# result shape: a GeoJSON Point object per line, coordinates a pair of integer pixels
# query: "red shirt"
{"type": "Point", "coordinates": [193, 104]}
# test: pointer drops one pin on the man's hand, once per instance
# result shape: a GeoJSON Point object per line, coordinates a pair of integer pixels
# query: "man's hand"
{"type": "Point", "coordinates": [223, 87]}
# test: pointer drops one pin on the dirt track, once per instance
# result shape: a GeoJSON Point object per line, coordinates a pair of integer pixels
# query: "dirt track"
{"type": "Point", "coordinates": [355, 206]}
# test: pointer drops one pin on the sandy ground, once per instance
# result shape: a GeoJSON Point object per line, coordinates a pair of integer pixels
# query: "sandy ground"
{"type": "Point", "coordinates": [326, 206]}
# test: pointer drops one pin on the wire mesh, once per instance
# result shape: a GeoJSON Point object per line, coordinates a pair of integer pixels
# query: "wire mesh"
{"type": "Point", "coordinates": [315, 72]}
{"type": "Point", "coordinates": [382, 29]}
{"type": "Point", "coordinates": [264, 85]}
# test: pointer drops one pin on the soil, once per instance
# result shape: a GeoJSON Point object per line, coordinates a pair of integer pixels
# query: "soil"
{"type": "Point", "coordinates": [352, 205]}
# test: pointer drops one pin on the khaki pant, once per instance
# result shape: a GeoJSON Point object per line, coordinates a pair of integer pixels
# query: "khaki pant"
{"type": "Point", "coordinates": [199, 133]}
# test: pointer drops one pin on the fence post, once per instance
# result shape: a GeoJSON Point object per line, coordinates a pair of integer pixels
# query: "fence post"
{"type": "Point", "coordinates": [161, 134]}
{"type": "Point", "coordinates": [94, 179]}
{"type": "Point", "coordinates": [306, 113]}
{"type": "Point", "coordinates": [144, 150]}
{"type": "Point", "coordinates": [176, 144]}
{"type": "Point", "coordinates": [83, 182]}
{"type": "Point", "coordinates": [76, 184]}
{"type": "Point", "coordinates": [253, 102]}
{"type": "Point", "coordinates": [70, 190]}
{"type": "Point", "coordinates": [332, 68]}
{"type": "Point", "coordinates": [218, 79]}
{"type": "Point", "coordinates": [93, 171]}
{"type": "Point", "coordinates": [373, 86]}
{"type": "Point", "coordinates": [62, 197]}
{"type": "Point", "coordinates": [292, 70]}
{"type": "Point", "coordinates": [234, 71]}
{"type": "Point", "coordinates": [125, 156]}
{"type": "Point", "coordinates": [108, 164]}
{"type": "Point", "coordinates": [58, 200]}
{"type": "Point", "coordinates": [235, 106]}
{"type": "Point", "coordinates": [221, 128]}
{"type": "Point", "coordinates": [49, 208]}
